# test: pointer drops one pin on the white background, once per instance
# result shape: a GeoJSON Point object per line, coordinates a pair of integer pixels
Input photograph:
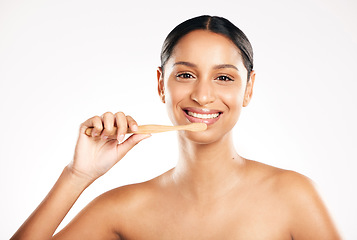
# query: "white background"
{"type": "Point", "coordinates": [62, 62]}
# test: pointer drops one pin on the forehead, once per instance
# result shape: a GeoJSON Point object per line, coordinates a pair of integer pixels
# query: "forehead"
{"type": "Point", "coordinates": [202, 46]}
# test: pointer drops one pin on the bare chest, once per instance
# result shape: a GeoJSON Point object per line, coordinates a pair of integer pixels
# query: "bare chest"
{"type": "Point", "coordinates": [248, 219]}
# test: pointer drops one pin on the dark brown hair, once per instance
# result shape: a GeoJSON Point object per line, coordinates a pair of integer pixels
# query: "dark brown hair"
{"type": "Point", "coordinates": [214, 24]}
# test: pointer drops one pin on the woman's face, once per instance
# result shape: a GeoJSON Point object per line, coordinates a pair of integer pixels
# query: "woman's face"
{"type": "Point", "coordinates": [205, 81]}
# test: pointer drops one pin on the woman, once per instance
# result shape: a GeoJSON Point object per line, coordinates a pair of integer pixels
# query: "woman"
{"type": "Point", "coordinates": [213, 193]}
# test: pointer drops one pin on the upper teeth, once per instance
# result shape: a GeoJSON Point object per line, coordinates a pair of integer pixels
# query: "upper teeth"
{"type": "Point", "coordinates": [204, 116]}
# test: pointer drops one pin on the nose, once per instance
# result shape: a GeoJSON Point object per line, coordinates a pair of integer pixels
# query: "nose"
{"type": "Point", "coordinates": [203, 92]}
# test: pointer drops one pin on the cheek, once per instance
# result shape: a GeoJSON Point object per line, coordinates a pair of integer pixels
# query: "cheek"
{"type": "Point", "coordinates": [233, 99]}
{"type": "Point", "coordinates": [176, 91]}
{"type": "Point", "coordinates": [171, 94]}
{"type": "Point", "coordinates": [174, 94]}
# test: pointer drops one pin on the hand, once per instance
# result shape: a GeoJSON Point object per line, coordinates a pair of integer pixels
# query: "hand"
{"type": "Point", "coordinates": [96, 154]}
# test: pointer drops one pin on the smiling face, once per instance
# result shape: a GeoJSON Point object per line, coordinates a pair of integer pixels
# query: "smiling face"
{"type": "Point", "coordinates": [205, 80]}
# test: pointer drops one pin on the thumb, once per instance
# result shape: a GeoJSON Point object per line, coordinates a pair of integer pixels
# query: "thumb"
{"type": "Point", "coordinates": [129, 143]}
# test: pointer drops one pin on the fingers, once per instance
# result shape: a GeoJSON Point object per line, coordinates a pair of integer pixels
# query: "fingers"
{"type": "Point", "coordinates": [122, 125]}
{"type": "Point", "coordinates": [110, 124]}
{"type": "Point", "coordinates": [132, 123]}
{"type": "Point", "coordinates": [94, 122]}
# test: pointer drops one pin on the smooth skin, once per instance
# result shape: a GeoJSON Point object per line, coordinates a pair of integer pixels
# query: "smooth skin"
{"type": "Point", "coordinates": [212, 193]}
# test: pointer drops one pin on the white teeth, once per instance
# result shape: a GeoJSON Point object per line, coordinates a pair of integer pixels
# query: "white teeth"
{"type": "Point", "coordinates": [203, 116]}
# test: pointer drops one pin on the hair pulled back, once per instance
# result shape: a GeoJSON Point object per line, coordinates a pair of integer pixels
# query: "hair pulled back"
{"type": "Point", "coordinates": [214, 24]}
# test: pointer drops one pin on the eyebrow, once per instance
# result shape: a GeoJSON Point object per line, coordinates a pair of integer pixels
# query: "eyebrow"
{"type": "Point", "coordinates": [219, 66]}
{"type": "Point", "coordinates": [188, 64]}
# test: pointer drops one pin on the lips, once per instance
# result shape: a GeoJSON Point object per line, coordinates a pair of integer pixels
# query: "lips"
{"type": "Point", "coordinates": [207, 116]}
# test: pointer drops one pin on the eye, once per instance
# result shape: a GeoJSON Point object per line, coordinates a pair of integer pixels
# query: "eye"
{"type": "Point", "coordinates": [224, 78]}
{"type": "Point", "coordinates": [184, 75]}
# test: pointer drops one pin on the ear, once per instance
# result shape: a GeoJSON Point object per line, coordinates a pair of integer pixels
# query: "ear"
{"type": "Point", "coordinates": [249, 89]}
{"type": "Point", "coordinates": [160, 84]}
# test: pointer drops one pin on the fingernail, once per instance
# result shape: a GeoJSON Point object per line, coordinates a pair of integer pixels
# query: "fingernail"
{"type": "Point", "coordinates": [134, 128]}
{"type": "Point", "coordinates": [121, 138]}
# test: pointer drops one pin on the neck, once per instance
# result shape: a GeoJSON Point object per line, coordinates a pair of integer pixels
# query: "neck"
{"type": "Point", "coordinates": [207, 170]}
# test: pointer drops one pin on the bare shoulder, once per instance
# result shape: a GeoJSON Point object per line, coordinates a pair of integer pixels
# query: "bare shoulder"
{"type": "Point", "coordinates": [128, 191]}
{"type": "Point", "coordinates": [131, 199]}
{"type": "Point", "coordinates": [286, 181]}
{"type": "Point", "coordinates": [130, 196]}
{"type": "Point", "coordinates": [129, 204]}
{"type": "Point", "coordinates": [309, 218]}
{"type": "Point", "coordinates": [109, 212]}
{"type": "Point", "coordinates": [288, 186]}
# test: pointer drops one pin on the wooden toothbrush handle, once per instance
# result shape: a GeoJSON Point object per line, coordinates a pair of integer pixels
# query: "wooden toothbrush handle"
{"type": "Point", "coordinates": [146, 129]}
